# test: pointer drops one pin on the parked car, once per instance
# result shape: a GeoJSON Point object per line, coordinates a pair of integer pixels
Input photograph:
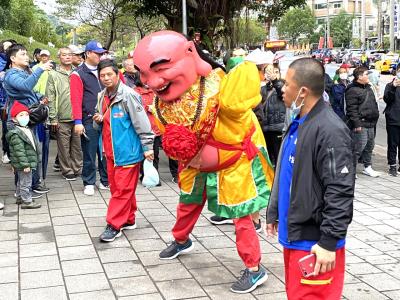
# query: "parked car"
{"type": "Point", "coordinates": [374, 56]}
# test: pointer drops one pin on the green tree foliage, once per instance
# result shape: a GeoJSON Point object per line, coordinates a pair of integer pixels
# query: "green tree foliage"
{"type": "Point", "coordinates": [297, 22]}
{"type": "Point", "coordinates": [4, 12]}
{"type": "Point", "coordinates": [249, 31]}
{"type": "Point", "coordinates": [341, 29]}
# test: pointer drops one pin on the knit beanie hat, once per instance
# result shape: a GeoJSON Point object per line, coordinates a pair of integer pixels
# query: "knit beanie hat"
{"type": "Point", "coordinates": [17, 108]}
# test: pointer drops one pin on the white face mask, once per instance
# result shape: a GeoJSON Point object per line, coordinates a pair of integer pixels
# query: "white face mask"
{"type": "Point", "coordinates": [23, 120]}
{"type": "Point", "coordinates": [343, 76]}
{"type": "Point", "coordinates": [295, 110]}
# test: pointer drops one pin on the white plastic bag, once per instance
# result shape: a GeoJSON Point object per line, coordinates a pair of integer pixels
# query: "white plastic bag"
{"type": "Point", "coordinates": [151, 177]}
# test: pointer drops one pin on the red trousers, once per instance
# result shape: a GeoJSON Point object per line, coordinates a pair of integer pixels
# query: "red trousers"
{"type": "Point", "coordinates": [247, 243]}
{"type": "Point", "coordinates": [123, 182]}
{"type": "Point", "coordinates": [327, 286]}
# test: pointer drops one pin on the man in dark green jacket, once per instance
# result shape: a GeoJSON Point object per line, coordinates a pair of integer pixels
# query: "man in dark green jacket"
{"type": "Point", "coordinates": [23, 154]}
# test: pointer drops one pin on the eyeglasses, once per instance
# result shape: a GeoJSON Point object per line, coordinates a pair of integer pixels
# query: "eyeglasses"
{"type": "Point", "coordinates": [66, 54]}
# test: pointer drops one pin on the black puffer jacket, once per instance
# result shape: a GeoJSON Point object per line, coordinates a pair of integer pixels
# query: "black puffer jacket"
{"type": "Point", "coordinates": [392, 99]}
{"type": "Point", "coordinates": [361, 107]}
{"type": "Point", "coordinates": [271, 111]}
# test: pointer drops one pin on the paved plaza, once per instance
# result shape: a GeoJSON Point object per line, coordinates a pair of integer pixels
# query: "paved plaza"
{"type": "Point", "coordinates": [54, 252]}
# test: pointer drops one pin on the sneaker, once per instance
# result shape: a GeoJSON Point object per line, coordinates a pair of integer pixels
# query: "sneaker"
{"type": "Point", "coordinates": [249, 280]}
{"type": "Point", "coordinates": [70, 177]}
{"type": "Point", "coordinates": [159, 183]}
{"type": "Point", "coordinates": [19, 200]}
{"type": "Point", "coordinates": [5, 159]}
{"type": "Point", "coordinates": [35, 195]}
{"type": "Point", "coordinates": [30, 205]}
{"type": "Point", "coordinates": [110, 234]}
{"type": "Point", "coordinates": [89, 190]}
{"type": "Point", "coordinates": [56, 168]}
{"type": "Point", "coordinates": [175, 249]}
{"type": "Point", "coordinates": [393, 171]}
{"type": "Point", "coordinates": [1, 206]}
{"type": "Point", "coordinates": [216, 220]}
{"type": "Point", "coordinates": [104, 187]}
{"type": "Point", "coordinates": [258, 226]}
{"type": "Point", "coordinates": [41, 189]}
{"type": "Point", "coordinates": [370, 172]}
{"type": "Point", "coordinates": [128, 226]}
{"type": "Point", "coordinates": [175, 180]}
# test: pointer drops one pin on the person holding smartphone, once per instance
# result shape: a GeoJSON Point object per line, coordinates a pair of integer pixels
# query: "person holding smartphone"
{"type": "Point", "coordinates": [313, 191]}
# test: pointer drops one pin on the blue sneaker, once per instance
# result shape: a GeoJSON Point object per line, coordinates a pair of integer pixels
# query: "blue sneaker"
{"type": "Point", "coordinates": [249, 280]}
{"type": "Point", "coordinates": [175, 249]}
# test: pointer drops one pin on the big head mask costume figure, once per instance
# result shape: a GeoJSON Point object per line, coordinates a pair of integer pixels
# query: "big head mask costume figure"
{"type": "Point", "coordinates": [208, 125]}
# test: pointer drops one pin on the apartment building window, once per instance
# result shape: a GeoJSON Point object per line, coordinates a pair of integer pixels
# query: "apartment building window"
{"type": "Point", "coordinates": [320, 6]}
{"type": "Point", "coordinates": [337, 5]}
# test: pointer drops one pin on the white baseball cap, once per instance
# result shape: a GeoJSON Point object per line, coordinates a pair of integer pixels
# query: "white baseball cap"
{"type": "Point", "coordinates": [75, 49]}
{"type": "Point", "coordinates": [45, 52]}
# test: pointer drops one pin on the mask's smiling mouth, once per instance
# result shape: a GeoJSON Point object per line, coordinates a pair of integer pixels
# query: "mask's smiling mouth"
{"type": "Point", "coordinates": [164, 89]}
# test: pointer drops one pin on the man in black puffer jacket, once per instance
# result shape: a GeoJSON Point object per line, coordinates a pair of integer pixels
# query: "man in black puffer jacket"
{"type": "Point", "coordinates": [362, 113]}
{"type": "Point", "coordinates": [271, 112]}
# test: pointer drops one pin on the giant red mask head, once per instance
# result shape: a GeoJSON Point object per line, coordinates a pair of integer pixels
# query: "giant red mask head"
{"type": "Point", "coordinates": [168, 64]}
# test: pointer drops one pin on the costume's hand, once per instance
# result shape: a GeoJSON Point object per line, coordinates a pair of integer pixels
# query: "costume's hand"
{"type": "Point", "coordinates": [79, 129]}
{"type": "Point", "coordinates": [325, 259]}
{"type": "Point", "coordinates": [27, 170]}
{"type": "Point", "coordinates": [271, 229]}
{"type": "Point", "coordinates": [98, 118]}
{"type": "Point", "coordinates": [149, 155]}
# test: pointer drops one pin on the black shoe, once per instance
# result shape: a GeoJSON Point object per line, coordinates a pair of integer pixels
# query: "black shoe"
{"type": "Point", "coordinates": [30, 205]}
{"type": "Point", "coordinates": [110, 234]}
{"type": "Point", "coordinates": [128, 226]}
{"type": "Point", "coordinates": [19, 200]}
{"type": "Point", "coordinates": [56, 167]}
{"type": "Point", "coordinates": [70, 177]}
{"type": "Point", "coordinates": [393, 171]}
{"type": "Point", "coordinates": [159, 183]}
{"type": "Point", "coordinates": [175, 249]}
{"type": "Point", "coordinates": [35, 195]}
{"type": "Point", "coordinates": [249, 281]}
{"type": "Point", "coordinates": [175, 180]}
{"type": "Point", "coordinates": [257, 226]}
{"type": "Point", "coordinates": [41, 189]}
{"type": "Point", "coordinates": [216, 220]}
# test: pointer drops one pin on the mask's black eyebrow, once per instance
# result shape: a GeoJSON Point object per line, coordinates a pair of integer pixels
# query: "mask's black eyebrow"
{"type": "Point", "coordinates": [158, 62]}
{"type": "Point", "coordinates": [137, 68]}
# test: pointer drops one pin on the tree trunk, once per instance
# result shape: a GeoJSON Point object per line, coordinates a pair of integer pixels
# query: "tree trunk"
{"type": "Point", "coordinates": [112, 35]}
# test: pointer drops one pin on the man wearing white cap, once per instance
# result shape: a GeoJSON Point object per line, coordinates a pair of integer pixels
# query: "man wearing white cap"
{"type": "Point", "coordinates": [77, 55]}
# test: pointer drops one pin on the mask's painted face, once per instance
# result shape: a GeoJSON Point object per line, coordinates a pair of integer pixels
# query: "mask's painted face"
{"type": "Point", "coordinates": [168, 64]}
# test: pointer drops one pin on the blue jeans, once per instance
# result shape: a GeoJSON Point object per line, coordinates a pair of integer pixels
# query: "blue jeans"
{"type": "Point", "coordinates": [90, 147]}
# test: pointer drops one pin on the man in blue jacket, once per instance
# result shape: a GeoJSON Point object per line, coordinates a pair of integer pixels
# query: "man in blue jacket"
{"type": "Point", "coordinates": [18, 84]}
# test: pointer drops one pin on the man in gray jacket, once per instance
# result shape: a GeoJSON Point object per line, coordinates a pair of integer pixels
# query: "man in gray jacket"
{"type": "Point", "coordinates": [60, 115]}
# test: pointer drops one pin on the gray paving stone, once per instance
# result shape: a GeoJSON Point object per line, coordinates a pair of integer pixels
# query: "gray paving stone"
{"type": "Point", "coordinates": [95, 295]}
{"type": "Point", "coordinates": [225, 255]}
{"type": "Point", "coordinates": [30, 250]}
{"type": "Point", "coordinates": [8, 235]}
{"type": "Point", "coordinates": [49, 293]}
{"type": "Point", "coordinates": [381, 259]}
{"type": "Point", "coordinates": [99, 212]}
{"type": "Point", "coordinates": [362, 291]}
{"type": "Point", "coordinates": [62, 204]}
{"type": "Point", "coordinates": [9, 246]}
{"type": "Point", "coordinates": [217, 242]}
{"type": "Point", "coordinates": [8, 259]}
{"type": "Point", "coordinates": [199, 260]}
{"type": "Point", "coordinates": [381, 281]}
{"type": "Point", "coordinates": [77, 252]}
{"type": "Point", "coordinates": [38, 218]}
{"type": "Point", "coordinates": [213, 275]}
{"type": "Point", "coordinates": [275, 296]}
{"type": "Point", "coordinates": [361, 268]}
{"type": "Point", "coordinates": [133, 286]}
{"type": "Point", "coordinates": [180, 289]}
{"type": "Point", "coordinates": [391, 269]}
{"type": "Point", "coordinates": [70, 229]}
{"type": "Point", "coordinates": [142, 297]}
{"type": "Point", "coordinates": [148, 245]}
{"type": "Point", "coordinates": [9, 291]}
{"type": "Point", "coordinates": [393, 294]}
{"type": "Point", "coordinates": [35, 238]}
{"type": "Point", "coordinates": [9, 225]}
{"type": "Point", "coordinates": [35, 227]}
{"type": "Point", "coordinates": [9, 274]}
{"type": "Point", "coordinates": [140, 234]}
{"type": "Point", "coordinates": [86, 283]}
{"type": "Point", "coordinates": [151, 258]}
{"type": "Point", "coordinates": [117, 255]}
{"type": "Point", "coordinates": [222, 291]}
{"type": "Point", "coordinates": [39, 263]}
{"type": "Point", "coordinates": [95, 232]}
{"type": "Point", "coordinates": [33, 280]}
{"type": "Point", "coordinates": [120, 242]}
{"type": "Point", "coordinates": [73, 240]}
{"type": "Point", "coordinates": [81, 266]}
{"type": "Point", "coordinates": [124, 269]}
{"type": "Point", "coordinates": [168, 272]}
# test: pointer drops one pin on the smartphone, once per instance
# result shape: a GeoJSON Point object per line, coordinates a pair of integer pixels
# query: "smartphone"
{"type": "Point", "coordinates": [85, 136]}
{"type": "Point", "coordinates": [307, 264]}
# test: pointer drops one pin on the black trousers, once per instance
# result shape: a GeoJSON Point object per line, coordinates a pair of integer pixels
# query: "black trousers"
{"type": "Point", "coordinates": [393, 140]}
{"type": "Point", "coordinates": [273, 140]}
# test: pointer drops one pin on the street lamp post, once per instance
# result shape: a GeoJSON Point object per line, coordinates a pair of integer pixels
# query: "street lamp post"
{"type": "Point", "coordinates": [184, 17]}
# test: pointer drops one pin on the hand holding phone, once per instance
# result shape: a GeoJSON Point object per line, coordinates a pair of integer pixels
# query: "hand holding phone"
{"type": "Point", "coordinates": [307, 265]}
